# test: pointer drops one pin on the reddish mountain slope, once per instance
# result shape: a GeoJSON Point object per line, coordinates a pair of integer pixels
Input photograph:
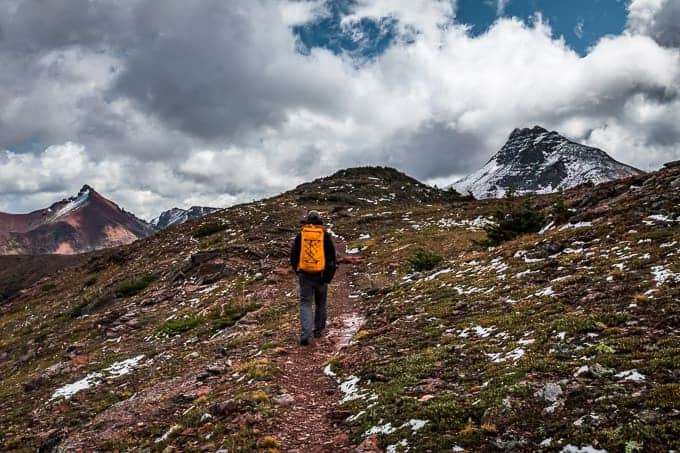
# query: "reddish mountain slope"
{"type": "Point", "coordinates": [78, 224]}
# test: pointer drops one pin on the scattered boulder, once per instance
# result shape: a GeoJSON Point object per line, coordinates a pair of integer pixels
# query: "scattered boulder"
{"type": "Point", "coordinates": [35, 383]}
{"type": "Point", "coordinates": [227, 408]}
{"type": "Point", "coordinates": [369, 445]}
{"type": "Point", "coordinates": [284, 400]}
{"type": "Point", "coordinates": [341, 439]}
{"type": "Point", "coordinates": [52, 440]}
{"type": "Point", "coordinates": [598, 371]}
{"type": "Point", "coordinates": [430, 385]}
{"type": "Point", "coordinates": [216, 369]}
{"type": "Point", "coordinates": [550, 392]}
{"type": "Point", "coordinates": [545, 249]}
{"type": "Point", "coordinates": [203, 268]}
{"type": "Point", "coordinates": [203, 257]}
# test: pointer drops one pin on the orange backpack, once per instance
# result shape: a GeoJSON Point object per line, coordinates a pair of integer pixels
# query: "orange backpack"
{"type": "Point", "coordinates": [312, 259]}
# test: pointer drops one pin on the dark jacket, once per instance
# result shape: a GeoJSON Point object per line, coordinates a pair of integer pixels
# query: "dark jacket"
{"type": "Point", "coordinates": [329, 256]}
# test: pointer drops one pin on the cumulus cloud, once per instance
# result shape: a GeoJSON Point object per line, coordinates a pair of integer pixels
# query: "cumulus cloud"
{"type": "Point", "coordinates": [500, 6]}
{"type": "Point", "coordinates": [162, 103]}
{"type": "Point", "coordinates": [659, 19]}
{"type": "Point", "coordinates": [578, 28]}
{"type": "Point", "coordinates": [426, 17]}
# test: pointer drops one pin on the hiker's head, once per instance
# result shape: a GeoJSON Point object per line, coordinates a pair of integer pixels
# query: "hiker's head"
{"type": "Point", "coordinates": [313, 218]}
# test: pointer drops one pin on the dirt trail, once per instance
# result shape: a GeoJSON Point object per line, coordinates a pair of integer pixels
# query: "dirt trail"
{"type": "Point", "coordinates": [305, 425]}
{"type": "Point", "coordinates": [302, 425]}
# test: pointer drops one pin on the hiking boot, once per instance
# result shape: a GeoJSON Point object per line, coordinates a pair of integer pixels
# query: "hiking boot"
{"type": "Point", "coordinates": [318, 333]}
{"type": "Point", "coordinates": [304, 342]}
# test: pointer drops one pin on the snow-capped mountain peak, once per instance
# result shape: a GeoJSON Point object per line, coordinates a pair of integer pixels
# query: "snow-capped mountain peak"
{"type": "Point", "coordinates": [81, 223]}
{"type": "Point", "coordinates": [541, 161]}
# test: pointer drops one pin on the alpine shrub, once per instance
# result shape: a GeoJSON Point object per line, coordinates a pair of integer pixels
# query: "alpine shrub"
{"type": "Point", "coordinates": [177, 326]}
{"type": "Point", "coordinates": [561, 212]}
{"type": "Point", "coordinates": [131, 287]}
{"type": "Point", "coordinates": [511, 223]}
{"type": "Point", "coordinates": [209, 228]}
{"type": "Point", "coordinates": [423, 260]}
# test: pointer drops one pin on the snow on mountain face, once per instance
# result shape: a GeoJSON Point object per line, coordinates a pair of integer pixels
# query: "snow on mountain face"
{"type": "Point", "coordinates": [176, 216]}
{"type": "Point", "coordinates": [73, 203]}
{"type": "Point", "coordinates": [539, 161]}
{"type": "Point", "coordinates": [172, 216]}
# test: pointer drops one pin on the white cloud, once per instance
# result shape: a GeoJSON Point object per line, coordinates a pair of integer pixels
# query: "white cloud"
{"type": "Point", "coordinates": [578, 28]}
{"type": "Point", "coordinates": [426, 16]}
{"type": "Point", "coordinates": [500, 7]}
{"type": "Point", "coordinates": [296, 13]}
{"type": "Point", "coordinates": [659, 19]}
{"type": "Point", "coordinates": [215, 105]}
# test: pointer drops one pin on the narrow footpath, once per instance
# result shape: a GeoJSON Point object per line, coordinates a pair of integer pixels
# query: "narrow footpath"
{"type": "Point", "coordinates": [306, 425]}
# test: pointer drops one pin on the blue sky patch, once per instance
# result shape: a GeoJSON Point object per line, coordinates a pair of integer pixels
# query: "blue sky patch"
{"type": "Point", "coordinates": [365, 39]}
{"type": "Point", "coordinates": [580, 22]}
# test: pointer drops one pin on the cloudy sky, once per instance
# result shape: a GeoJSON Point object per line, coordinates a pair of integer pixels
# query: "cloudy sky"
{"type": "Point", "coordinates": [161, 103]}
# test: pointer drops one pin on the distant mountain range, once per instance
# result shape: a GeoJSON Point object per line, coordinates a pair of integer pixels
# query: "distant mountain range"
{"type": "Point", "coordinates": [176, 216]}
{"type": "Point", "coordinates": [532, 161]}
{"type": "Point", "coordinates": [82, 223]}
{"type": "Point", "coordinates": [536, 160]}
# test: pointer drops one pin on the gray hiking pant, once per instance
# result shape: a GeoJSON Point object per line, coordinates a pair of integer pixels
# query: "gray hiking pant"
{"type": "Point", "coordinates": [312, 288]}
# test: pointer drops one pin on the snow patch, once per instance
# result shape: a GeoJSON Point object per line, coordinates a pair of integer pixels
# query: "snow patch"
{"type": "Point", "coordinates": [393, 448]}
{"type": "Point", "coordinates": [545, 292]}
{"type": "Point", "coordinates": [576, 225]}
{"type": "Point", "coordinates": [480, 331]}
{"type": "Point", "coordinates": [586, 449]}
{"type": "Point", "coordinates": [662, 274]}
{"type": "Point", "coordinates": [547, 227]}
{"type": "Point", "coordinates": [631, 375]}
{"type": "Point", "coordinates": [93, 379]}
{"type": "Point", "coordinates": [328, 372]}
{"type": "Point", "coordinates": [416, 424]}
{"type": "Point", "coordinates": [73, 204]}
{"type": "Point", "coordinates": [387, 428]}
{"type": "Point", "coordinates": [662, 218]}
{"type": "Point", "coordinates": [68, 390]}
{"type": "Point", "coordinates": [350, 390]}
{"type": "Point", "coordinates": [122, 368]}
{"type": "Point", "coordinates": [438, 273]}
{"type": "Point", "coordinates": [513, 355]}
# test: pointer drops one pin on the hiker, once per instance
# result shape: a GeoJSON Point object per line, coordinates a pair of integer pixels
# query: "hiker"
{"type": "Point", "coordinates": [313, 260]}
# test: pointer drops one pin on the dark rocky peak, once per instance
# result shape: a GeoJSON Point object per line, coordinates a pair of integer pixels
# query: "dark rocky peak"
{"type": "Point", "coordinates": [528, 132]}
{"type": "Point", "coordinates": [531, 145]}
{"type": "Point", "coordinates": [85, 194]}
{"type": "Point", "coordinates": [85, 188]}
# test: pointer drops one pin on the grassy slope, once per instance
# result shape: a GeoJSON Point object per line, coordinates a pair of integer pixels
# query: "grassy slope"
{"type": "Point", "coordinates": [481, 390]}
{"type": "Point", "coordinates": [421, 366]}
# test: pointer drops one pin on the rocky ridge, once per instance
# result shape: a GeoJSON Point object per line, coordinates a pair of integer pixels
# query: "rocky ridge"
{"type": "Point", "coordinates": [177, 216]}
{"type": "Point", "coordinates": [564, 340]}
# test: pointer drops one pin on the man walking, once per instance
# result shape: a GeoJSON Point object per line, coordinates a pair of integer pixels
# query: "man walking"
{"type": "Point", "coordinates": [313, 260]}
